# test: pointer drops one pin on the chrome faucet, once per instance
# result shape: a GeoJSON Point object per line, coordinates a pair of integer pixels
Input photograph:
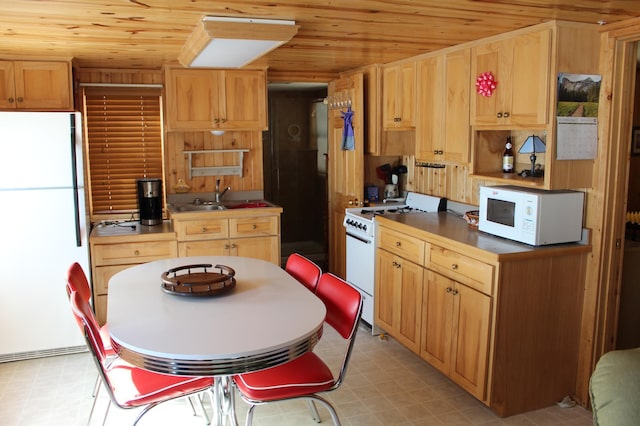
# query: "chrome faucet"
{"type": "Point", "coordinates": [218, 195]}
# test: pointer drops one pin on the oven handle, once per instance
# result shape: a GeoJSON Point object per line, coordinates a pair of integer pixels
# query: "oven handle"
{"type": "Point", "coordinates": [359, 238]}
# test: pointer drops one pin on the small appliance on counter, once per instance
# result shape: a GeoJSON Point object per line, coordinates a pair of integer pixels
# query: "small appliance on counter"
{"type": "Point", "coordinates": [150, 201]}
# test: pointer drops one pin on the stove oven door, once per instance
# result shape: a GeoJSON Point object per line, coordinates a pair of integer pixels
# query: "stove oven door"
{"type": "Point", "coordinates": [360, 271]}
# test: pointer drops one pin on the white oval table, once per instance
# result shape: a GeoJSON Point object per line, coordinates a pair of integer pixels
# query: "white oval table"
{"type": "Point", "coordinates": [268, 318]}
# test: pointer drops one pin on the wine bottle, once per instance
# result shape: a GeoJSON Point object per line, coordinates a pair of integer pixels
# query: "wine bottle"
{"type": "Point", "coordinates": [507, 157]}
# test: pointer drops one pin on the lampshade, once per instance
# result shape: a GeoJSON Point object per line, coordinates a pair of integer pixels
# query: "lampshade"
{"type": "Point", "coordinates": [223, 42]}
{"type": "Point", "coordinates": [532, 144]}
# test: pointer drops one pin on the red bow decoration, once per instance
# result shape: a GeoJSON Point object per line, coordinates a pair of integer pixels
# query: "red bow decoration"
{"type": "Point", "coordinates": [486, 84]}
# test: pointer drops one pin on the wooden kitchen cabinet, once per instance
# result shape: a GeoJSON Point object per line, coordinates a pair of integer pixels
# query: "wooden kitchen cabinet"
{"type": "Point", "coordinates": [35, 86]}
{"type": "Point", "coordinates": [398, 96]}
{"type": "Point", "coordinates": [521, 66]}
{"type": "Point", "coordinates": [442, 122]}
{"type": "Point", "coordinates": [489, 310]}
{"type": "Point", "coordinates": [255, 236]}
{"type": "Point", "coordinates": [216, 99]}
{"type": "Point", "coordinates": [456, 323]}
{"type": "Point", "coordinates": [398, 298]}
{"type": "Point", "coordinates": [113, 253]}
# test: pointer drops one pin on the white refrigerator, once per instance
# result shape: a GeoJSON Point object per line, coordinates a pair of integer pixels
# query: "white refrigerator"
{"type": "Point", "coordinates": [43, 220]}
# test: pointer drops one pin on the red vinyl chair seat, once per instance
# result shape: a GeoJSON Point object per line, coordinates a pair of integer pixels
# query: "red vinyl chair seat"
{"type": "Point", "coordinates": [307, 374]}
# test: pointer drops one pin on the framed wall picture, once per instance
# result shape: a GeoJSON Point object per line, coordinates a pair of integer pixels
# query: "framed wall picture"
{"type": "Point", "coordinates": [635, 141]}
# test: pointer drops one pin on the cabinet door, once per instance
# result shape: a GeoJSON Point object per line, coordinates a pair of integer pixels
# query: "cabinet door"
{"type": "Point", "coordinates": [399, 298]}
{"type": "Point", "coordinates": [430, 109]}
{"type": "Point", "coordinates": [265, 248]}
{"type": "Point", "coordinates": [43, 85]}
{"type": "Point", "coordinates": [470, 345]}
{"type": "Point", "coordinates": [457, 132]}
{"type": "Point", "coordinates": [190, 99]}
{"type": "Point", "coordinates": [530, 73]}
{"type": "Point", "coordinates": [398, 96]}
{"type": "Point", "coordinates": [521, 66]}
{"type": "Point", "coordinates": [243, 101]}
{"type": "Point", "coordinates": [437, 318]}
{"type": "Point", "coordinates": [7, 88]}
{"type": "Point", "coordinates": [495, 58]}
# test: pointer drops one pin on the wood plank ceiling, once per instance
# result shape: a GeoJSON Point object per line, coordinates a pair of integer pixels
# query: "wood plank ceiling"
{"type": "Point", "coordinates": [335, 35]}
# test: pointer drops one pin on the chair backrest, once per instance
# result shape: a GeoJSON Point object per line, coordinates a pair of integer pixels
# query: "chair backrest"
{"type": "Point", "coordinates": [84, 315]}
{"type": "Point", "coordinates": [343, 303]}
{"type": "Point", "coordinates": [77, 281]}
{"type": "Point", "coordinates": [344, 307]}
{"type": "Point", "coordinates": [303, 270]}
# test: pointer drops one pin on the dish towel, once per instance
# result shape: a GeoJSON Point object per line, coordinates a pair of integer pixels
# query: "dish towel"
{"type": "Point", "coordinates": [348, 139]}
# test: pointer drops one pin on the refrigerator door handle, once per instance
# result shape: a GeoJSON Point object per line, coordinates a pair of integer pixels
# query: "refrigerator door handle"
{"type": "Point", "coordinates": [74, 177]}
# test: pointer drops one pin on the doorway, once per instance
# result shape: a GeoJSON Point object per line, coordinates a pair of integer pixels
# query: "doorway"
{"type": "Point", "coordinates": [294, 163]}
{"type": "Point", "coordinates": [628, 330]}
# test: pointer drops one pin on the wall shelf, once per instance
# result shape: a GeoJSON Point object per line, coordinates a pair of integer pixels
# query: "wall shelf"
{"type": "Point", "coordinates": [233, 170]}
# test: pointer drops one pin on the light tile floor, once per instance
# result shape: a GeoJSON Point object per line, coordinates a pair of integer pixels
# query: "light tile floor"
{"type": "Point", "coordinates": [386, 384]}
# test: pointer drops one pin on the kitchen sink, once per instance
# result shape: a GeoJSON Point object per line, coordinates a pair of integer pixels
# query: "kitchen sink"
{"type": "Point", "coordinates": [179, 208]}
{"type": "Point", "coordinates": [224, 205]}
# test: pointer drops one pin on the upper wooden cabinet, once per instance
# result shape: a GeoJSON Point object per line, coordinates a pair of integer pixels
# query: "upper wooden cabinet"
{"type": "Point", "coordinates": [521, 67]}
{"type": "Point", "coordinates": [442, 122]}
{"type": "Point", "coordinates": [216, 99]}
{"type": "Point", "coordinates": [35, 85]}
{"type": "Point", "coordinates": [398, 96]}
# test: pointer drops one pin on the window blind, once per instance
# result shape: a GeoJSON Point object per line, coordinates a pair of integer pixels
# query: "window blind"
{"type": "Point", "coordinates": [124, 138]}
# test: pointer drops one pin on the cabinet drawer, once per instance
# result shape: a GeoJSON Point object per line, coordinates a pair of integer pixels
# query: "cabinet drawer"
{"type": "Point", "coordinates": [202, 229]}
{"type": "Point", "coordinates": [403, 245]}
{"type": "Point", "coordinates": [253, 226]}
{"type": "Point", "coordinates": [131, 253]}
{"type": "Point", "coordinates": [476, 274]}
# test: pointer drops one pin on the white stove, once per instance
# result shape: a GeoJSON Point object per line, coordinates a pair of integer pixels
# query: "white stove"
{"type": "Point", "coordinates": [361, 236]}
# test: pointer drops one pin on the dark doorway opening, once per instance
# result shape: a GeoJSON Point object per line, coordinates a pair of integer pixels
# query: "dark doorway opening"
{"type": "Point", "coordinates": [295, 148]}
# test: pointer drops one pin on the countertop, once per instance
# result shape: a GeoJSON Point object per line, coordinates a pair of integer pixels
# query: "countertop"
{"type": "Point", "coordinates": [132, 229]}
{"type": "Point", "coordinates": [450, 229]}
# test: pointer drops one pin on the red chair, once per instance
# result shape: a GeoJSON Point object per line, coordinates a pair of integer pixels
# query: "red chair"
{"type": "Point", "coordinates": [77, 281]}
{"type": "Point", "coordinates": [303, 270]}
{"type": "Point", "coordinates": [129, 386]}
{"type": "Point", "coordinates": [308, 375]}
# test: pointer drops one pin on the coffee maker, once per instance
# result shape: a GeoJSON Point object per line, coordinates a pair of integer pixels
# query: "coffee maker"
{"type": "Point", "coordinates": [150, 201]}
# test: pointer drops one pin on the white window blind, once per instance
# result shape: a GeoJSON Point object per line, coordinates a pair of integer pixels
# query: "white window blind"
{"type": "Point", "coordinates": [124, 138]}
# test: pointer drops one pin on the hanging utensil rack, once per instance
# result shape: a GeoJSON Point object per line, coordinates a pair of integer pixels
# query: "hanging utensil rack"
{"type": "Point", "coordinates": [233, 170]}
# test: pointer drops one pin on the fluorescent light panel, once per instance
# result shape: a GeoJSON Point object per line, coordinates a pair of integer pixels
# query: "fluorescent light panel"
{"type": "Point", "coordinates": [222, 42]}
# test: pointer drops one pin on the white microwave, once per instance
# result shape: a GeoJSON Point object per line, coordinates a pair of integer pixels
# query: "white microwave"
{"type": "Point", "coordinates": [531, 216]}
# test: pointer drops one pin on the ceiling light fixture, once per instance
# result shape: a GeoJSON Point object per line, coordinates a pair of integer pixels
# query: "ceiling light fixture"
{"type": "Point", "coordinates": [224, 42]}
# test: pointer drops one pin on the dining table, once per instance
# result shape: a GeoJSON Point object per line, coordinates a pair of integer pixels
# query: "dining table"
{"type": "Point", "coordinates": [266, 318]}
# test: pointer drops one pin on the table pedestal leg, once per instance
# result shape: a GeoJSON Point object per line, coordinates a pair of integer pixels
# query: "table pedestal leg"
{"type": "Point", "coordinates": [224, 407]}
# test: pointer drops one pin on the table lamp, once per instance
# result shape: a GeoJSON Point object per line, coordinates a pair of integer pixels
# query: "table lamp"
{"type": "Point", "coordinates": [532, 145]}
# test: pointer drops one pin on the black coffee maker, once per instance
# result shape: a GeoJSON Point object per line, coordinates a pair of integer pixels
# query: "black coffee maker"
{"type": "Point", "coordinates": [150, 201]}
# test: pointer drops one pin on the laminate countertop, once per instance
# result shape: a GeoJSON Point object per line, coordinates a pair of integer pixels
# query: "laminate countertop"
{"type": "Point", "coordinates": [451, 230]}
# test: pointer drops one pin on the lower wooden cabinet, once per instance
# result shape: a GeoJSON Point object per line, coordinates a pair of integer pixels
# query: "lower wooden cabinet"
{"type": "Point", "coordinates": [112, 254]}
{"type": "Point", "coordinates": [456, 323]}
{"type": "Point", "coordinates": [255, 236]}
{"type": "Point", "coordinates": [503, 323]}
{"type": "Point", "coordinates": [399, 298]}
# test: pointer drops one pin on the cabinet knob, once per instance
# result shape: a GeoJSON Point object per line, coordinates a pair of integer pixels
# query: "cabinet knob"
{"type": "Point", "coordinates": [506, 114]}
{"type": "Point", "coordinates": [226, 246]}
{"type": "Point", "coordinates": [396, 264]}
{"type": "Point", "coordinates": [440, 152]}
{"type": "Point", "coordinates": [137, 252]}
{"type": "Point", "coordinates": [398, 243]}
{"type": "Point", "coordinates": [353, 202]}
{"type": "Point", "coordinates": [216, 120]}
{"type": "Point", "coordinates": [223, 120]}
{"type": "Point", "coordinates": [499, 115]}
{"type": "Point", "coordinates": [454, 266]}
{"type": "Point", "coordinates": [454, 292]}
{"type": "Point", "coordinates": [233, 246]}
{"type": "Point", "coordinates": [254, 226]}
{"type": "Point", "coordinates": [397, 119]}
{"type": "Point", "coordinates": [11, 100]}
{"type": "Point", "coordinates": [449, 290]}
{"type": "Point", "coordinates": [20, 99]}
